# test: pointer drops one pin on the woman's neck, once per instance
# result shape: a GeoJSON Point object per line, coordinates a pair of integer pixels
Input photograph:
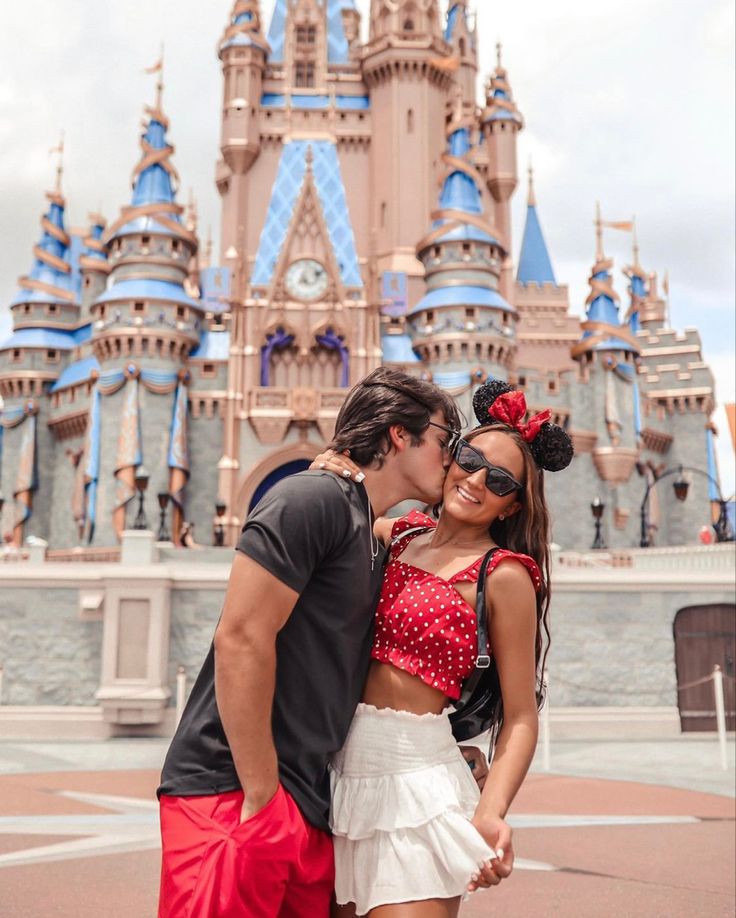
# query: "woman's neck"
{"type": "Point", "coordinates": [454, 532]}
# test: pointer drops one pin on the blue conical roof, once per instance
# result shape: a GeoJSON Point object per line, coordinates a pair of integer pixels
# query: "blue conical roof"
{"type": "Point", "coordinates": [49, 280]}
{"type": "Point", "coordinates": [535, 266]}
{"type": "Point", "coordinates": [461, 193]}
{"type": "Point", "coordinates": [153, 184]}
{"type": "Point", "coordinates": [602, 311]}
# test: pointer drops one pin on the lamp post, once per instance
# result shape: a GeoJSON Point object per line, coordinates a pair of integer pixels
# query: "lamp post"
{"type": "Point", "coordinates": [597, 508]}
{"type": "Point", "coordinates": [218, 530]}
{"type": "Point", "coordinates": [163, 532]}
{"type": "Point", "coordinates": [141, 483]}
{"type": "Point", "coordinates": [681, 487]}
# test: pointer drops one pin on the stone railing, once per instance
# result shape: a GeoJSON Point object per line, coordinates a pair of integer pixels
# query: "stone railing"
{"type": "Point", "coordinates": [720, 557]}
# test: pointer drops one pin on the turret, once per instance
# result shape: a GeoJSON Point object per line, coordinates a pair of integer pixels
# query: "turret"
{"type": "Point", "coordinates": [407, 66]}
{"type": "Point", "coordinates": [462, 326]}
{"type": "Point", "coordinates": [93, 264]}
{"type": "Point", "coordinates": [462, 36]}
{"type": "Point", "coordinates": [607, 353]}
{"type": "Point", "coordinates": [145, 326]}
{"type": "Point", "coordinates": [501, 121]}
{"type": "Point", "coordinates": [45, 330]}
{"type": "Point", "coordinates": [243, 51]}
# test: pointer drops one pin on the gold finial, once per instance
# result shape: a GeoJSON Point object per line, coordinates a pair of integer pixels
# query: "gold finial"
{"type": "Point", "coordinates": [59, 150]}
{"type": "Point", "coordinates": [158, 68]}
{"type": "Point", "coordinates": [309, 157]}
{"type": "Point", "coordinates": [499, 48]}
{"type": "Point", "coordinates": [532, 199]}
{"type": "Point", "coordinates": [598, 232]}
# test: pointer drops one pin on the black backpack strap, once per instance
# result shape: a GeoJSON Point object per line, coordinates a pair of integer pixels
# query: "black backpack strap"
{"type": "Point", "coordinates": [483, 658]}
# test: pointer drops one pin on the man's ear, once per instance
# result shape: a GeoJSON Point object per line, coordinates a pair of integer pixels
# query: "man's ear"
{"type": "Point", "coordinates": [397, 438]}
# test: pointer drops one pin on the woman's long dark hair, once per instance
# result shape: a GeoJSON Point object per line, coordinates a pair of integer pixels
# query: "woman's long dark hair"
{"type": "Point", "coordinates": [526, 532]}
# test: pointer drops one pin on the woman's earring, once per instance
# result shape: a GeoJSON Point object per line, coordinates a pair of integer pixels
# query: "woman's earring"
{"type": "Point", "coordinates": [502, 517]}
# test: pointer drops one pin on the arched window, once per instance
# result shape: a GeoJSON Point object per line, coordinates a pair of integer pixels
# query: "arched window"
{"type": "Point", "coordinates": [410, 121]}
{"type": "Point", "coordinates": [408, 25]}
{"type": "Point", "coordinates": [462, 47]}
{"type": "Point", "coordinates": [384, 212]}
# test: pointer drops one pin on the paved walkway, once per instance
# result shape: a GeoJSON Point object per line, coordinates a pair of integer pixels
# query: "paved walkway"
{"type": "Point", "coordinates": [79, 834]}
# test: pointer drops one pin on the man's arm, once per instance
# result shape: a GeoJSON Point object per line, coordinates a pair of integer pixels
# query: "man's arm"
{"type": "Point", "coordinates": [257, 606]}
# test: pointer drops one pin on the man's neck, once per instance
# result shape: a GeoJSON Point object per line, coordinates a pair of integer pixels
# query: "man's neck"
{"type": "Point", "coordinates": [385, 489]}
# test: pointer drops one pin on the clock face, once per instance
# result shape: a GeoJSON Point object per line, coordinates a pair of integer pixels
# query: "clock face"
{"type": "Point", "coordinates": [306, 279]}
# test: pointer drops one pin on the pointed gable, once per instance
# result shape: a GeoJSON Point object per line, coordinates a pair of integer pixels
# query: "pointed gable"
{"type": "Point", "coordinates": [337, 44]}
{"type": "Point", "coordinates": [333, 203]}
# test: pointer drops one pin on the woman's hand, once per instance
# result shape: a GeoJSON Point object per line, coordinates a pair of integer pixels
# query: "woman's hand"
{"type": "Point", "coordinates": [339, 463]}
{"type": "Point", "coordinates": [477, 763]}
{"type": "Point", "coordinates": [497, 833]}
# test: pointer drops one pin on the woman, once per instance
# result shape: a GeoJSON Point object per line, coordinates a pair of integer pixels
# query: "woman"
{"type": "Point", "coordinates": [411, 831]}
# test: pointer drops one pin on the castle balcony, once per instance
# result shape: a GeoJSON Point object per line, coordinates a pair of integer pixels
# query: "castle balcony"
{"type": "Point", "coordinates": [271, 410]}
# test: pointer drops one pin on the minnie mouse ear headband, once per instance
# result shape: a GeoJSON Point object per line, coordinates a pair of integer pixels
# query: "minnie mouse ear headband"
{"type": "Point", "coordinates": [550, 445]}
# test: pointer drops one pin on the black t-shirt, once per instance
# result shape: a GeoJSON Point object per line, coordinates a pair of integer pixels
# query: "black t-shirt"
{"type": "Point", "coordinates": [311, 531]}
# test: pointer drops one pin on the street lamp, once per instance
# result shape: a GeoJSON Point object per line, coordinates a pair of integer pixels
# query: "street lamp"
{"type": "Point", "coordinates": [597, 507]}
{"type": "Point", "coordinates": [218, 530]}
{"type": "Point", "coordinates": [681, 487]}
{"type": "Point", "coordinates": [163, 532]}
{"type": "Point", "coordinates": [141, 483]}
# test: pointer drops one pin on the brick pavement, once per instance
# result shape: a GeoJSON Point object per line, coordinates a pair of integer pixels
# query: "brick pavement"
{"type": "Point", "coordinates": [84, 845]}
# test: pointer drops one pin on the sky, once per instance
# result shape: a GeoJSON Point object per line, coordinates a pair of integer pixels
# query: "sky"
{"type": "Point", "coordinates": [629, 102]}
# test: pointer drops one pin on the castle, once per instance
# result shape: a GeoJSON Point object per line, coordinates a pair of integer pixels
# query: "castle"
{"type": "Point", "coordinates": [365, 220]}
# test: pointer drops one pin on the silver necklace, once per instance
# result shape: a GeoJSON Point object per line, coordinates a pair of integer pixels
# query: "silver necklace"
{"type": "Point", "coordinates": [371, 521]}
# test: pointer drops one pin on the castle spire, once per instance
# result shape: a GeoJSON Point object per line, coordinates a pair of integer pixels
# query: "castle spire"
{"type": "Point", "coordinates": [49, 280]}
{"type": "Point", "coordinates": [602, 328]}
{"type": "Point", "coordinates": [637, 283]}
{"type": "Point", "coordinates": [535, 266]}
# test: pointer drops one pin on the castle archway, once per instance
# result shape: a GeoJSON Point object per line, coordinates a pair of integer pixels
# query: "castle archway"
{"type": "Point", "coordinates": [275, 467]}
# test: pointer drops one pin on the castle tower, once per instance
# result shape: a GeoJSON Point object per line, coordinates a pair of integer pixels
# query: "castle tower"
{"type": "Point", "coordinates": [546, 330]}
{"type": "Point", "coordinates": [462, 328]}
{"type": "Point", "coordinates": [45, 331]}
{"type": "Point", "coordinates": [607, 404]}
{"type": "Point", "coordinates": [501, 121]}
{"type": "Point", "coordinates": [462, 36]}
{"type": "Point", "coordinates": [243, 51]}
{"type": "Point", "coordinates": [407, 66]}
{"type": "Point", "coordinates": [145, 325]}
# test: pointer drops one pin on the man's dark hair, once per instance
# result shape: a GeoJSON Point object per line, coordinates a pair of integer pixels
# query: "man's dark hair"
{"type": "Point", "coordinates": [383, 399]}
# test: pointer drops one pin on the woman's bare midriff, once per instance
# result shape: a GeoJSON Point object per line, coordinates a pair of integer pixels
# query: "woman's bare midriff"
{"type": "Point", "coordinates": [389, 687]}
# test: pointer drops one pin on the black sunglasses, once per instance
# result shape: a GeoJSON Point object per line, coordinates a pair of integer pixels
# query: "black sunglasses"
{"type": "Point", "coordinates": [498, 480]}
{"type": "Point", "coordinates": [452, 436]}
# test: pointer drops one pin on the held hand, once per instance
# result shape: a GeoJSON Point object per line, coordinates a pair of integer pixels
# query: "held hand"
{"type": "Point", "coordinates": [477, 763]}
{"type": "Point", "coordinates": [498, 835]}
{"type": "Point", "coordinates": [339, 463]}
{"type": "Point", "coordinates": [256, 799]}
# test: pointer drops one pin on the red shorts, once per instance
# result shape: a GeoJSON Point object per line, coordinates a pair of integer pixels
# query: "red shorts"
{"type": "Point", "coordinates": [274, 865]}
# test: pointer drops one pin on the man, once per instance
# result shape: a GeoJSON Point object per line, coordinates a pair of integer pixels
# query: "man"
{"type": "Point", "coordinates": [245, 791]}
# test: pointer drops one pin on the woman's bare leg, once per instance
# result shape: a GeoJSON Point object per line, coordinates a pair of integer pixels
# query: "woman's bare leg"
{"type": "Point", "coordinates": [428, 908]}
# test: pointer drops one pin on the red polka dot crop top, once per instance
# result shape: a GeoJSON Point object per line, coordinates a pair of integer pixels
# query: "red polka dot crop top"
{"type": "Point", "coordinates": [423, 625]}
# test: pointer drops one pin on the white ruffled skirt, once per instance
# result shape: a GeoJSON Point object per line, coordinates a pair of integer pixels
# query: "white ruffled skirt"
{"type": "Point", "coordinates": [402, 800]}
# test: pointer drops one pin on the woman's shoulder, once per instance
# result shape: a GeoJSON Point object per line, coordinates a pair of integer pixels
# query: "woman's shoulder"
{"type": "Point", "coordinates": [413, 520]}
{"type": "Point", "coordinates": [524, 566]}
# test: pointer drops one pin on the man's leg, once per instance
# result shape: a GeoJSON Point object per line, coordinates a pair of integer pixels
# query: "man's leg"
{"type": "Point", "coordinates": [311, 885]}
{"type": "Point", "coordinates": [214, 866]}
